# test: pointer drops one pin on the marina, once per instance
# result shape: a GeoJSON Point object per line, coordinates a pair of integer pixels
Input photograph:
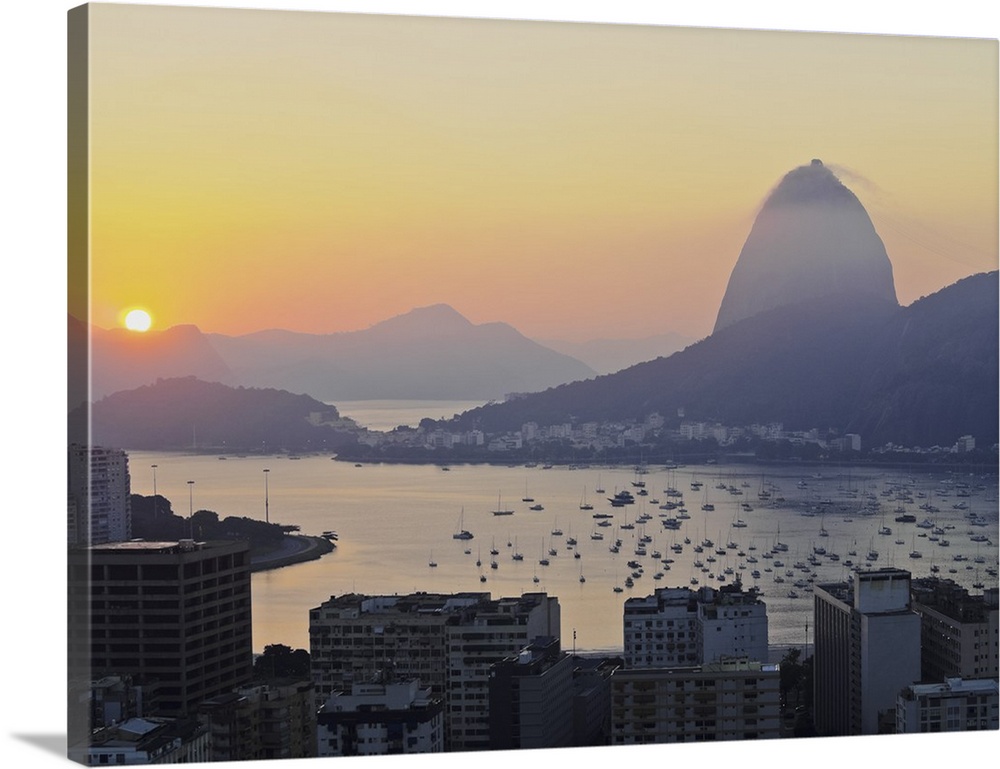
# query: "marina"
{"type": "Point", "coordinates": [807, 525]}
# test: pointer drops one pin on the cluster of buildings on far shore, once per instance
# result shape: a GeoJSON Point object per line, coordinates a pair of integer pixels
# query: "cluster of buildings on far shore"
{"type": "Point", "coordinates": [162, 667]}
{"type": "Point", "coordinates": [604, 436]}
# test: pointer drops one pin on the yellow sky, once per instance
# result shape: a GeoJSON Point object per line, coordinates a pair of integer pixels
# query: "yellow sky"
{"type": "Point", "coordinates": [321, 172]}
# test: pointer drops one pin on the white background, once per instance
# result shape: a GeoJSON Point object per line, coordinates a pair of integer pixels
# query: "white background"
{"type": "Point", "coordinates": [33, 303]}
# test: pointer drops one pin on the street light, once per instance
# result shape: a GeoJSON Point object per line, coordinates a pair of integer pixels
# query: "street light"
{"type": "Point", "coordinates": [191, 507]}
{"type": "Point", "coordinates": [267, 518]}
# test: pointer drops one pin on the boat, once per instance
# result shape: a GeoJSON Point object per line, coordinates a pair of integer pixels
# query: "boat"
{"type": "Point", "coordinates": [536, 507]}
{"type": "Point", "coordinates": [598, 489]}
{"type": "Point", "coordinates": [501, 510]}
{"type": "Point", "coordinates": [584, 504]}
{"type": "Point", "coordinates": [432, 563]}
{"type": "Point", "coordinates": [526, 497]}
{"type": "Point", "coordinates": [462, 533]}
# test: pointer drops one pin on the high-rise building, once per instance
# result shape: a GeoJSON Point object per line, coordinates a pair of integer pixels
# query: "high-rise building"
{"type": "Point", "coordinates": [679, 626]}
{"type": "Point", "coordinates": [867, 649]}
{"type": "Point", "coordinates": [447, 642]}
{"type": "Point", "coordinates": [958, 630]}
{"type": "Point", "coordinates": [531, 698]}
{"type": "Point", "coordinates": [99, 496]}
{"type": "Point", "coordinates": [724, 700]}
{"type": "Point", "coordinates": [176, 614]}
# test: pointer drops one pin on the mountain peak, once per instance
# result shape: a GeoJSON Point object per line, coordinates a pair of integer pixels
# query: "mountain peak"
{"type": "Point", "coordinates": [812, 238]}
{"type": "Point", "coordinates": [435, 318]}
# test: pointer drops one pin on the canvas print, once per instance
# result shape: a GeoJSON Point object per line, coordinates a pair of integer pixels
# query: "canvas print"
{"type": "Point", "coordinates": [452, 385]}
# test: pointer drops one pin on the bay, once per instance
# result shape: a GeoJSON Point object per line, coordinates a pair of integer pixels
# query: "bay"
{"type": "Point", "coordinates": [393, 520]}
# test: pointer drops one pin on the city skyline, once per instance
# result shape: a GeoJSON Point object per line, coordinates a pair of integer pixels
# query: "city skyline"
{"type": "Point", "coordinates": [323, 172]}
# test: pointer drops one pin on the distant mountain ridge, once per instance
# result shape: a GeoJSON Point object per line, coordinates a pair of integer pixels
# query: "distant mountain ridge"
{"type": "Point", "coordinates": [918, 375]}
{"type": "Point", "coordinates": [431, 353]}
{"type": "Point", "coordinates": [428, 353]}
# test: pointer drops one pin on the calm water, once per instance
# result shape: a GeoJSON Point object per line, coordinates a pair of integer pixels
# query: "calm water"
{"type": "Point", "coordinates": [387, 414]}
{"type": "Point", "coordinates": [394, 519]}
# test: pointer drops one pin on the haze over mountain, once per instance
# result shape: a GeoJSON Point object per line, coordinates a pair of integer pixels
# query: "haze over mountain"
{"type": "Point", "coordinates": [431, 353]}
{"type": "Point", "coordinates": [606, 356]}
{"type": "Point", "coordinates": [123, 360]}
{"type": "Point", "coordinates": [812, 238]}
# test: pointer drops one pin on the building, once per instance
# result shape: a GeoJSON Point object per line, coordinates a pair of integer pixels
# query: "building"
{"type": "Point", "coordinates": [531, 698]}
{"type": "Point", "coordinates": [952, 706]}
{"type": "Point", "coordinates": [145, 741]}
{"type": "Point", "coordinates": [381, 719]}
{"type": "Point", "coordinates": [867, 649]}
{"type": "Point", "coordinates": [174, 614]}
{"type": "Point", "coordinates": [448, 642]}
{"type": "Point", "coordinates": [99, 496]}
{"type": "Point", "coordinates": [114, 699]}
{"type": "Point", "coordinates": [592, 699]}
{"type": "Point", "coordinates": [682, 627]}
{"type": "Point", "coordinates": [265, 721]}
{"type": "Point", "coordinates": [725, 700]}
{"type": "Point", "coordinates": [958, 630]}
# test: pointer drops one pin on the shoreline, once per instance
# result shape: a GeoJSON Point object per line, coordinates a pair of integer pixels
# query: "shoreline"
{"type": "Point", "coordinates": [296, 548]}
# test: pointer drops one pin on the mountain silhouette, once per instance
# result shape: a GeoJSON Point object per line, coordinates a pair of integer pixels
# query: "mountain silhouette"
{"type": "Point", "coordinates": [432, 353]}
{"type": "Point", "coordinates": [123, 360]}
{"type": "Point", "coordinates": [812, 238]}
{"type": "Point", "coordinates": [187, 413]}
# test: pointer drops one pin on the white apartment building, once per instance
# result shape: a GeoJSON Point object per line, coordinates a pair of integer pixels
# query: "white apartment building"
{"type": "Point", "coordinates": [682, 627]}
{"type": "Point", "coordinates": [99, 494]}
{"type": "Point", "coordinates": [867, 651]}
{"type": "Point", "coordinates": [953, 706]}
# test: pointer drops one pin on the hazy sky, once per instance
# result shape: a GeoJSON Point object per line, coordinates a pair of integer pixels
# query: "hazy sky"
{"type": "Point", "coordinates": [321, 172]}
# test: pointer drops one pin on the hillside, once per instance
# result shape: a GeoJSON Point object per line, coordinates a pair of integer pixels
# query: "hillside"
{"type": "Point", "coordinates": [922, 374]}
{"type": "Point", "coordinates": [186, 413]}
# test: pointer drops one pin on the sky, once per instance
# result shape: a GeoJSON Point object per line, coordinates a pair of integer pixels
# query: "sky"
{"type": "Point", "coordinates": [322, 172]}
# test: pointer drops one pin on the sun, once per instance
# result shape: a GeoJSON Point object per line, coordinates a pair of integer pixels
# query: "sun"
{"type": "Point", "coordinates": [138, 320]}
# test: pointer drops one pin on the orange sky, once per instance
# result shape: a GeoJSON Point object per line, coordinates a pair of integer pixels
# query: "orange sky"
{"type": "Point", "coordinates": [321, 172]}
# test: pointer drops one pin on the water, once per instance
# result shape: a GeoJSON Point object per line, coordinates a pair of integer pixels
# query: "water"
{"type": "Point", "coordinates": [387, 414]}
{"type": "Point", "coordinates": [393, 519]}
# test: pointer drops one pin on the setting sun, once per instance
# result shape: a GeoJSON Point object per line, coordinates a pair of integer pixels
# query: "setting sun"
{"type": "Point", "coordinates": [138, 320]}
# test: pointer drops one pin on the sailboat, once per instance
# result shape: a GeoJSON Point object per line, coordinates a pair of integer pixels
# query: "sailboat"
{"type": "Point", "coordinates": [598, 489]}
{"type": "Point", "coordinates": [584, 504]}
{"type": "Point", "coordinates": [527, 497]}
{"type": "Point", "coordinates": [432, 563]}
{"type": "Point", "coordinates": [543, 561]}
{"type": "Point", "coordinates": [516, 555]}
{"type": "Point", "coordinates": [462, 533]}
{"type": "Point", "coordinates": [501, 510]}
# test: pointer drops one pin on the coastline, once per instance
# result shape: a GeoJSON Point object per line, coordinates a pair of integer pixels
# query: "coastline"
{"type": "Point", "coordinates": [295, 548]}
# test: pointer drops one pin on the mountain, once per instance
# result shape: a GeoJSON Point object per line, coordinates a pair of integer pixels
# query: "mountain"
{"type": "Point", "coordinates": [123, 360]}
{"type": "Point", "coordinates": [607, 356]}
{"type": "Point", "coordinates": [186, 413]}
{"type": "Point", "coordinates": [918, 375]}
{"type": "Point", "coordinates": [812, 238]}
{"type": "Point", "coordinates": [429, 353]}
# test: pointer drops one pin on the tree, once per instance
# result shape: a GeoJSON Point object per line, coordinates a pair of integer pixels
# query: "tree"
{"type": "Point", "coordinates": [281, 661]}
